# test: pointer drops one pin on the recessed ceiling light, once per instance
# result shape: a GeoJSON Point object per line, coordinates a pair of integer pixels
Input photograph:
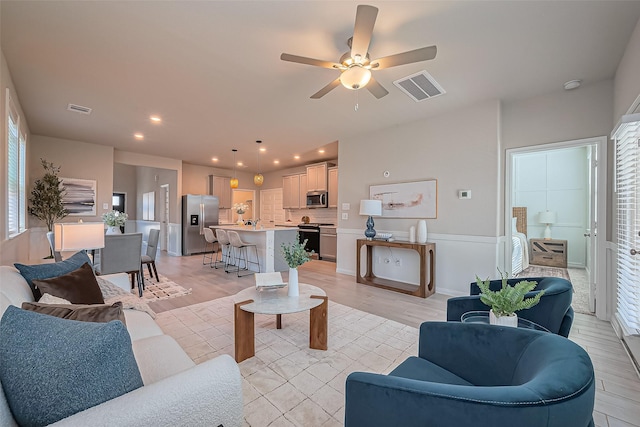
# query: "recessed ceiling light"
{"type": "Point", "coordinates": [321, 151]}
{"type": "Point", "coordinates": [572, 84]}
{"type": "Point", "coordinates": [296, 157]}
{"type": "Point", "coordinates": [240, 164]}
{"type": "Point", "coordinates": [155, 119]}
{"type": "Point", "coordinates": [276, 162]}
{"type": "Point", "coordinates": [263, 149]}
{"type": "Point", "coordinates": [138, 136]}
{"type": "Point", "coordinates": [214, 159]}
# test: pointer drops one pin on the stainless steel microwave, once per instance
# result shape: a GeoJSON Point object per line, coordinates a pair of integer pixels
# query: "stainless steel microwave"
{"type": "Point", "coordinates": [317, 199]}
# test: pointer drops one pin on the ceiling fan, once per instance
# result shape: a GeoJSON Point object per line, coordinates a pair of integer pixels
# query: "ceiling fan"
{"type": "Point", "coordinates": [355, 66]}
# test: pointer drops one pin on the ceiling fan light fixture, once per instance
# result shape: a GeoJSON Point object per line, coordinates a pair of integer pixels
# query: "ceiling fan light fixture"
{"type": "Point", "coordinates": [355, 77]}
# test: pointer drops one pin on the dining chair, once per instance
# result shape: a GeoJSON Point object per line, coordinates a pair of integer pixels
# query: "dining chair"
{"type": "Point", "coordinates": [122, 253]}
{"type": "Point", "coordinates": [152, 249]}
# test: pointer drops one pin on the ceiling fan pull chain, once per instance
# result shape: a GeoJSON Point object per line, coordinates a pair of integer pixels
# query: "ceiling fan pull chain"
{"type": "Point", "coordinates": [356, 106]}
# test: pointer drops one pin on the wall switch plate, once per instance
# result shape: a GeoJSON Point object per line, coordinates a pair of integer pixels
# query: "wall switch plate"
{"type": "Point", "coordinates": [345, 215]}
{"type": "Point", "coordinates": [346, 206]}
{"type": "Point", "coordinates": [105, 206]}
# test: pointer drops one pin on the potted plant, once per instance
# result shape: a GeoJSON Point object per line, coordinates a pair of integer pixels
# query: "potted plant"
{"type": "Point", "coordinates": [114, 220]}
{"type": "Point", "coordinates": [295, 255]}
{"type": "Point", "coordinates": [505, 302]}
{"type": "Point", "coordinates": [45, 201]}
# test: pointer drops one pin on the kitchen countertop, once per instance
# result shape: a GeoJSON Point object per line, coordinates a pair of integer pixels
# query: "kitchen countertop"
{"type": "Point", "coordinates": [254, 230]}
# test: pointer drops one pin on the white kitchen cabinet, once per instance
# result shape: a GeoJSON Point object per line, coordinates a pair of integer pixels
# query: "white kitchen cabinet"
{"type": "Point", "coordinates": [219, 186]}
{"type": "Point", "coordinates": [317, 177]}
{"type": "Point", "coordinates": [332, 174]}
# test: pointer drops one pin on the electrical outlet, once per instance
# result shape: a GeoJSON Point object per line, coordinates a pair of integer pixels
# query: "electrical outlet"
{"type": "Point", "coordinates": [345, 215]}
{"type": "Point", "coordinates": [105, 206]}
{"type": "Point", "coordinates": [398, 262]}
{"type": "Point", "coordinates": [346, 206]}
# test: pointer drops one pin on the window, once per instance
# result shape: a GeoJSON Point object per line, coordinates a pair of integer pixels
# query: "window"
{"type": "Point", "coordinates": [627, 139]}
{"type": "Point", "coordinates": [16, 171]}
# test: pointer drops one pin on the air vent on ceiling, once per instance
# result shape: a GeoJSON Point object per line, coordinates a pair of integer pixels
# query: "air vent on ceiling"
{"type": "Point", "coordinates": [419, 86]}
{"type": "Point", "coordinates": [79, 109]}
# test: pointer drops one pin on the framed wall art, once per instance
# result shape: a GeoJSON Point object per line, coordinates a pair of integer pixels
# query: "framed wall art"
{"type": "Point", "coordinates": [417, 199]}
{"type": "Point", "coordinates": [80, 196]}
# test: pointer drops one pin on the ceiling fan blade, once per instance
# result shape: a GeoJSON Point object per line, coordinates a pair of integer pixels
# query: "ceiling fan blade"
{"type": "Point", "coordinates": [376, 88]}
{"type": "Point", "coordinates": [325, 90]}
{"type": "Point", "coordinates": [422, 54]}
{"type": "Point", "coordinates": [309, 61]}
{"type": "Point", "coordinates": [363, 29]}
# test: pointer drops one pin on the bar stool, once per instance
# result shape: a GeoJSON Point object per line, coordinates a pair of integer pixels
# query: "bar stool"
{"type": "Point", "coordinates": [209, 239]}
{"type": "Point", "coordinates": [225, 248]}
{"type": "Point", "coordinates": [240, 249]}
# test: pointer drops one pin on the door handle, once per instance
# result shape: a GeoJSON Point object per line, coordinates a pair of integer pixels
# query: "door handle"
{"type": "Point", "coordinates": [587, 234]}
{"type": "Point", "coordinates": [633, 252]}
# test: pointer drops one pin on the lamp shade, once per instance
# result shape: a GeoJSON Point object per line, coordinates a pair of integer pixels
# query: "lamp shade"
{"type": "Point", "coordinates": [371, 207]}
{"type": "Point", "coordinates": [355, 77]}
{"type": "Point", "coordinates": [76, 236]}
{"type": "Point", "coordinates": [547, 217]}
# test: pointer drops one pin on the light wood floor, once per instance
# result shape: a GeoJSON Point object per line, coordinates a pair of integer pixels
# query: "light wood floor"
{"type": "Point", "coordinates": [617, 383]}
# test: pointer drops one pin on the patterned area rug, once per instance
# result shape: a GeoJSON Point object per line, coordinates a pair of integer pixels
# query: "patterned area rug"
{"type": "Point", "coordinates": [541, 271]}
{"type": "Point", "coordinates": [165, 289]}
{"type": "Point", "coordinates": [287, 383]}
{"type": "Point", "coordinates": [577, 277]}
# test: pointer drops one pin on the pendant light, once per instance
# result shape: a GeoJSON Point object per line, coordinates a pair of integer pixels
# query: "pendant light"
{"type": "Point", "coordinates": [234, 180]}
{"type": "Point", "coordinates": [258, 179]}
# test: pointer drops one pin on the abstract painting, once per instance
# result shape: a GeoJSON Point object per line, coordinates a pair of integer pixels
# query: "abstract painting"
{"type": "Point", "coordinates": [80, 196]}
{"type": "Point", "coordinates": [407, 199]}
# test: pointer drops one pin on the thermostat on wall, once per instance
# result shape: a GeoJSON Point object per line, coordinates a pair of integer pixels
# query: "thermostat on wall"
{"type": "Point", "coordinates": [464, 194]}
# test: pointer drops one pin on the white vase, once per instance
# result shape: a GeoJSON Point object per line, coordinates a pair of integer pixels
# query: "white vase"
{"type": "Point", "coordinates": [422, 231]}
{"type": "Point", "coordinates": [113, 229]}
{"type": "Point", "coordinates": [240, 220]}
{"type": "Point", "coordinates": [503, 320]}
{"type": "Point", "coordinates": [293, 291]}
{"type": "Point", "coordinates": [412, 234]}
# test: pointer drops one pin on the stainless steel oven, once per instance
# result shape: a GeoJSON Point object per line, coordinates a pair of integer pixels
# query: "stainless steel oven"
{"type": "Point", "coordinates": [310, 233]}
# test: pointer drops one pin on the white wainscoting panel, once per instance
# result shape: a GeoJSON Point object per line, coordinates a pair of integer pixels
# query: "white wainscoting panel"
{"type": "Point", "coordinates": [458, 259]}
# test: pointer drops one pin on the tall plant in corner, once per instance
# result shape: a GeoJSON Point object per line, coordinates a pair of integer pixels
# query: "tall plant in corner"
{"type": "Point", "coordinates": [45, 201]}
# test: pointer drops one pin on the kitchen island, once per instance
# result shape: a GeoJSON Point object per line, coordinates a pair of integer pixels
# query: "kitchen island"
{"type": "Point", "coordinates": [268, 241]}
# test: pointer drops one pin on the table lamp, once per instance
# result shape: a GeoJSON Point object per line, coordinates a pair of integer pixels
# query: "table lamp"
{"type": "Point", "coordinates": [77, 236]}
{"type": "Point", "coordinates": [547, 217]}
{"type": "Point", "coordinates": [371, 208]}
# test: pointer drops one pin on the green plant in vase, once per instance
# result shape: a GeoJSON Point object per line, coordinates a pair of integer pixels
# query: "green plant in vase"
{"type": "Point", "coordinates": [45, 201]}
{"type": "Point", "coordinates": [507, 300]}
{"type": "Point", "coordinates": [114, 220]}
{"type": "Point", "coordinates": [295, 254]}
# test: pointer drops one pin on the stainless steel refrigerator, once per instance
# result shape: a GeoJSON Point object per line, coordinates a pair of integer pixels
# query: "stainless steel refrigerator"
{"type": "Point", "coordinates": [198, 212]}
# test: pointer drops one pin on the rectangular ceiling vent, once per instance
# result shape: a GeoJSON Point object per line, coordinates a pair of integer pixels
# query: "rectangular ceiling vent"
{"type": "Point", "coordinates": [79, 109]}
{"type": "Point", "coordinates": [419, 86]}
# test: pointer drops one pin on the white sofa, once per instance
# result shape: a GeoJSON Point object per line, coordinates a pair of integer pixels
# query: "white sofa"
{"type": "Point", "coordinates": [175, 391]}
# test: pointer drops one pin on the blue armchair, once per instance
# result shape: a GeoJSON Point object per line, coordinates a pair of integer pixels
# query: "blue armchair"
{"type": "Point", "coordinates": [554, 310]}
{"type": "Point", "coordinates": [478, 375]}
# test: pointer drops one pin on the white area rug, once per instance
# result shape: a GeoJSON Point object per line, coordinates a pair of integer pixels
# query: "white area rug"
{"type": "Point", "coordinates": [165, 289]}
{"type": "Point", "coordinates": [287, 383]}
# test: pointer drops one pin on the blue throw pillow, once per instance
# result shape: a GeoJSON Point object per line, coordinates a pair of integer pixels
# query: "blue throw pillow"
{"type": "Point", "coordinates": [47, 271]}
{"type": "Point", "coordinates": [68, 367]}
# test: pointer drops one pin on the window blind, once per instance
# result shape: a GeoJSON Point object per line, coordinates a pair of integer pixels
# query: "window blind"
{"type": "Point", "coordinates": [627, 139]}
{"type": "Point", "coordinates": [16, 167]}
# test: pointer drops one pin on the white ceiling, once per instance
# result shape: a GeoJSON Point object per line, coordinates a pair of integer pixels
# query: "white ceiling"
{"type": "Point", "coordinates": [211, 69]}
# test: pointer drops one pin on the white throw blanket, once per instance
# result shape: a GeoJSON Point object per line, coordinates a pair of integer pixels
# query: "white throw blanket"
{"type": "Point", "coordinates": [112, 293]}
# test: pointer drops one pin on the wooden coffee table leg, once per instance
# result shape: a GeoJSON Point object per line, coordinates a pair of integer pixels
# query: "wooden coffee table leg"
{"type": "Point", "coordinates": [278, 321]}
{"type": "Point", "coordinates": [244, 331]}
{"type": "Point", "coordinates": [318, 320]}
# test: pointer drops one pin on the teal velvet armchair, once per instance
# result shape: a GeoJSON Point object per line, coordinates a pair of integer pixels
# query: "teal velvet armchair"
{"type": "Point", "coordinates": [553, 312]}
{"type": "Point", "coordinates": [478, 375]}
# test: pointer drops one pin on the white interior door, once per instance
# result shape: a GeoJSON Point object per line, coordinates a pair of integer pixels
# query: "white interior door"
{"type": "Point", "coordinates": [164, 217]}
{"type": "Point", "coordinates": [271, 211]}
{"type": "Point", "coordinates": [591, 231]}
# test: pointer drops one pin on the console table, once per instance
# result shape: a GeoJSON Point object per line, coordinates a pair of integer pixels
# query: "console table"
{"type": "Point", "coordinates": [427, 252]}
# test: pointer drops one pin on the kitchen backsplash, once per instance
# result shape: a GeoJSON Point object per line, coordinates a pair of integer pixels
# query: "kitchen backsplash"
{"type": "Point", "coordinates": [322, 215]}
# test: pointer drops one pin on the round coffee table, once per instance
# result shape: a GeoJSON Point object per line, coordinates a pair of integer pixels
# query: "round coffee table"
{"type": "Point", "coordinates": [483, 317]}
{"type": "Point", "coordinates": [252, 301]}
